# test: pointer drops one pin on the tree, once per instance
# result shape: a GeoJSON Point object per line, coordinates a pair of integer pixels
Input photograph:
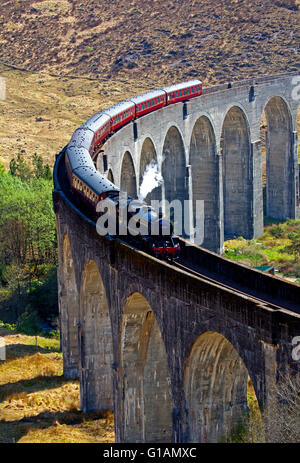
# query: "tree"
{"type": "Point", "coordinates": [19, 168]}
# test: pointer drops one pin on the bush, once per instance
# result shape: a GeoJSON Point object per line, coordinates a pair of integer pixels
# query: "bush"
{"type": "Point", "coordinates": [29, 323]}
{"type": "Point", "coordinates": [276, 231]}
{"type": "Point", "coordinates": [43, 295]}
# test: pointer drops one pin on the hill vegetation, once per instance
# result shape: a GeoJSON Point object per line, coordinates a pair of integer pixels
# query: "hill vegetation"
{"type": "Point", "coordinates": [27, 241]}
{"type": "Point", "coordinates": [169, 40]}
{"type": "Point", "coordinates": [279, 246]}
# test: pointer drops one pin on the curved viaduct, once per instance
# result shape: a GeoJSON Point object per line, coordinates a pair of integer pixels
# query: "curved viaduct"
{"type": "Point", "coordinates": [210, 149]}
{"type": "Point", "coordinates": [170, 348]}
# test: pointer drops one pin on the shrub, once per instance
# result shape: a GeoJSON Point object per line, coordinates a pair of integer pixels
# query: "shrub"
{"type": "Point", "coordinates": [29, 323]}
{"type": "Point", "coordinates": [276, 231]}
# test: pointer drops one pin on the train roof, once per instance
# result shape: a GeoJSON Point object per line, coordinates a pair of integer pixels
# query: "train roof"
{"type": "Point", "coordinates": [94, 180]}
{"type": "Point", "coordinates": [182, 85]}
{"type": "Point", "coordinates": [147, 96]}
{"type": "Point", "coordinates": [82, 137]}
{"type": "Point", "coordinates": [96, 121]}
{"type": "Point", "coordinates": [119, 107]}
{"type": "Point", "coordinates": [79, 157]}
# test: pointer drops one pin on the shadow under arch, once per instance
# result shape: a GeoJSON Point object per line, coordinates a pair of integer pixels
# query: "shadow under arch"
{"type": "Point", "coordinates": [95, 341]}
{"type": "Point", "coordinates": [277, 159]}
{"type": "Point", "coordinates": [69, 312]}
{"type": "Point", "coordinates": [144, 375]}
{"type": "Point", "coordinates": [215, 389]}
{"type": "Point", "coordinates": [205, 180]}
{"type": "Point", "coordinates": [237, 174]}
{"type": "Point", "coordinates": [128, 176]}
{"type": "Point", "coordinates": [175, 186]}
{"type": "Point", "coordinates": [110, 176]}
{"type": "Point", "coordinates": [148, 157]}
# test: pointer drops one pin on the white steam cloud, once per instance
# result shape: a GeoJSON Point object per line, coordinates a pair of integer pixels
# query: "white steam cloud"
{"type": "Point", "coordinates": [152, 178]}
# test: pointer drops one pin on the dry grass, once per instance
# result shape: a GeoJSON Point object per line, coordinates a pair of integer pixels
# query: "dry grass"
{"type": "Point", "coordinates": [52, 7]}
{"type": "Point", "coordinates": [41, 112]}
{"type": "Point", "coordinates": [37, 404]}
{"type": "Point", "coordinates": [173, 40]}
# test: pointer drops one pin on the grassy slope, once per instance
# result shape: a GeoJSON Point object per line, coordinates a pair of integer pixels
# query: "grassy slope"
{"type": "Point", "coordinates": [41, 112]}
{"type": "Point", "coordinates": [270, 249]}
{"type": "Point", "coordinates": [173, 39]}
{"type": "Point", "coordinates": [37, 404]}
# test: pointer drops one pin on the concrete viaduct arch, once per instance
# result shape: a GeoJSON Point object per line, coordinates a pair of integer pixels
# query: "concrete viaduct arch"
{"type": "Point", "coordinates": [128, 175]}
{"type": "Point", "coordinates": [279, 159]}
{"type": "Point", "coordinates": [215, 388]}
{"type": "Point", "coordinates": [147, 404]}
{"type": "Point", "coordinates": [95, 342]}
{"type": "Point", "coordinates": [237, 174]}
{"type": "Point", "coordinates": [69, 310]}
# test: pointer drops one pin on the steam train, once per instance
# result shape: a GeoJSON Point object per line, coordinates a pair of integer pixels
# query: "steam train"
{"type": "Point", "coordinates": [90, 187]}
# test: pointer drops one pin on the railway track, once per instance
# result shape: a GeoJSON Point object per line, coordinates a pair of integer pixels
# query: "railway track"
{"type": "Point", "coordinates": [183, 265]}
